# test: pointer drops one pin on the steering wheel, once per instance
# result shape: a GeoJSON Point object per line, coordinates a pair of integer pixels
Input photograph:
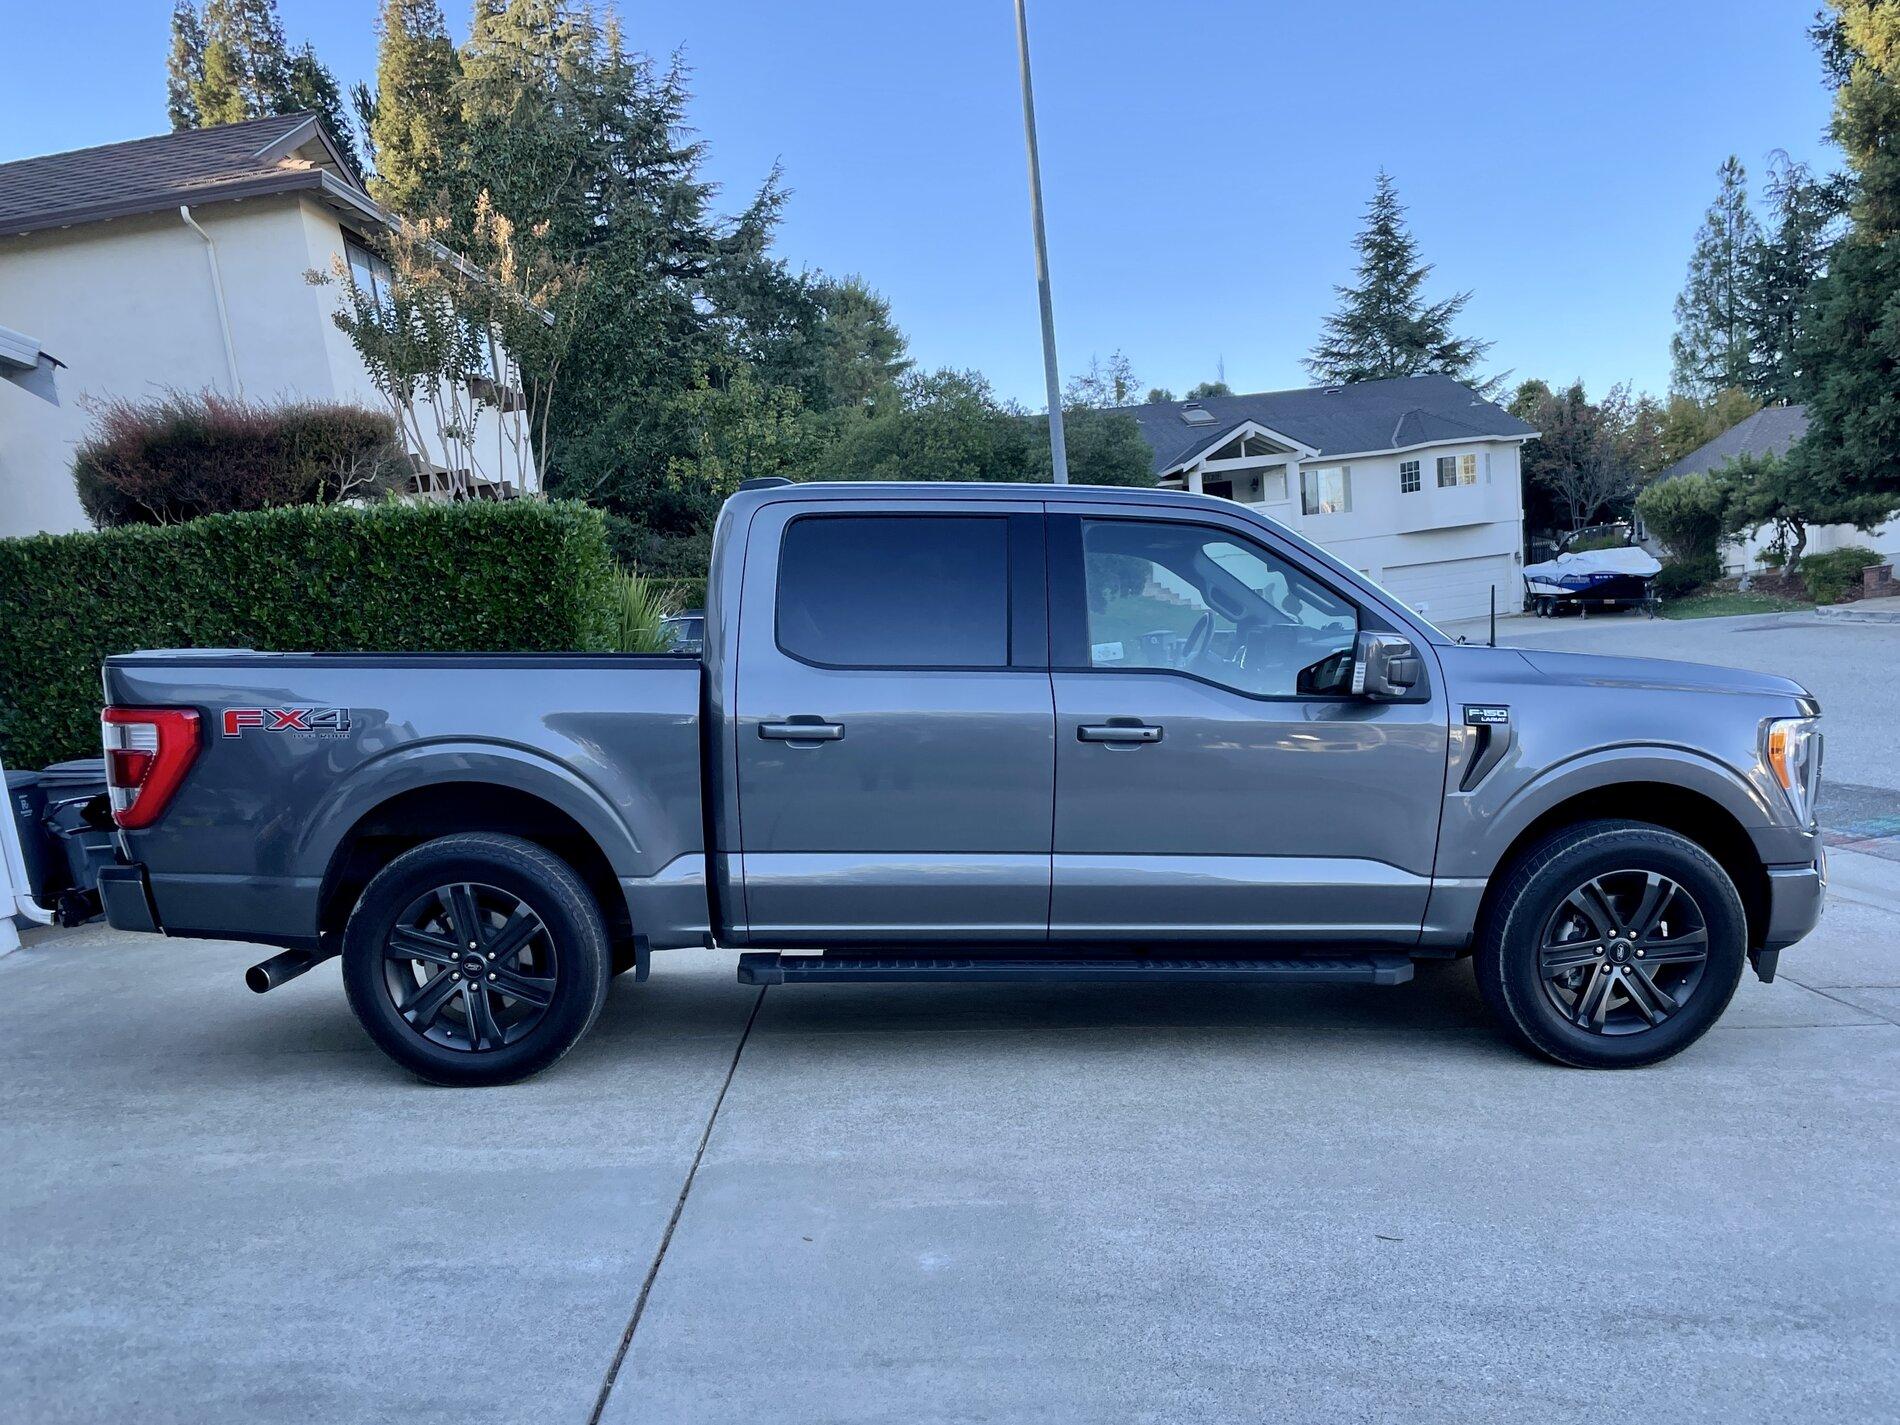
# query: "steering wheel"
{"type": "Point", "coordinates": [1197, 638]}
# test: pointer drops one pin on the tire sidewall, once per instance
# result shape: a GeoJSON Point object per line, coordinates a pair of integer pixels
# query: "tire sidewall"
{"type": "Point", "coordinates": [1559, 868]}
{"type": "Point", "coordinates": [539, 879]}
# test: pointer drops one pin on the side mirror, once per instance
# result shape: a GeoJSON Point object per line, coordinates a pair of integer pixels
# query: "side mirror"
{"type": "Point", "coordinates": [1384, 665]}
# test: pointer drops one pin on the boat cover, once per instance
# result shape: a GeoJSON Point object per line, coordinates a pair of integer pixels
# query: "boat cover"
{"type": "Point", "coordinates": [1591, 565]}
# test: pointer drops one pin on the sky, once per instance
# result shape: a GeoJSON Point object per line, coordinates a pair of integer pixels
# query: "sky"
{"type": "Point", "coordinates": [1205, 165]}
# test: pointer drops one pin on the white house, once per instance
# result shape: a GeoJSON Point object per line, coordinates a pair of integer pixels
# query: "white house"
{"type": "Point", "coordinates": [178, 263]}
{"type": "Point", "coordinates": [1415, 482]}
{"type": "Point", "coordinates": [1770, 432]}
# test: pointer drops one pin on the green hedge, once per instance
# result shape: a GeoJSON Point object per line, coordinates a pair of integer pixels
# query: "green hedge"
{"type": "Point", "coordinates": [473, 577]}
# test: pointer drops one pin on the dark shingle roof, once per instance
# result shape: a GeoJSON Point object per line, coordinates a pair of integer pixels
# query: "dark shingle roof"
{"type": "Point", "coordinates": [144, 175]}
{"type": "Point", "coordinates": [1334, 420]}
{"type": "Point", "coordinates": [1770, 431]}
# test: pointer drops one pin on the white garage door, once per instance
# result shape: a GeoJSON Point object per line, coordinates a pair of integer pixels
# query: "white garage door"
{"type": "Point", "coordinates": [1449, 589]}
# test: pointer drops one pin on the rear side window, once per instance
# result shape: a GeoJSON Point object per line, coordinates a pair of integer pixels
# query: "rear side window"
{"type": "Point", "coordinates": [895, 591]}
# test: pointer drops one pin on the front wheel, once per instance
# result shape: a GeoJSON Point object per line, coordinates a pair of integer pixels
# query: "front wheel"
{"type": "Point", "coordinates": [1611, 946]}
{"type": "Point", "coordinates": [476, 959]}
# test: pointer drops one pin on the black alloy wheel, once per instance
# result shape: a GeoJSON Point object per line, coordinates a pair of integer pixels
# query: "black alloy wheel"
{"type": "Point", "coordinates": [1623, 952]}
{"type": "Point", "coordinates": [470, 967]}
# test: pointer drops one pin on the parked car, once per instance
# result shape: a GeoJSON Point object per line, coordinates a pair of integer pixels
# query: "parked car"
{"type": "Point", "coordinates": [934, 736]}
{"type": "Point", "coordinates": [685, 631]}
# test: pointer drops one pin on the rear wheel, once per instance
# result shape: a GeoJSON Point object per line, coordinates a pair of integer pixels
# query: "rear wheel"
{"type": "Point", "coordinates": [1612, 945]}
{"type": "Point", "coordinates": [476, 959]}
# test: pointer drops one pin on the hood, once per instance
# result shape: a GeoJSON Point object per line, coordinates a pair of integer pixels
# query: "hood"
{"type": "Point", "coordinates": [1603, 670]}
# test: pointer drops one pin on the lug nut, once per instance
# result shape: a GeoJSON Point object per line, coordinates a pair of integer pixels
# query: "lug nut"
{"type": "Point", "coordinates": [457, 974]}
{"type": "Point", "coordinates": [491, 974]}
{"type": "Point", "coordinates": [1639, 954]}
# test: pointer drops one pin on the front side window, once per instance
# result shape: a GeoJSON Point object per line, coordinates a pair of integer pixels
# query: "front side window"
{"type": "Point", "coordinates": [1189, 599]}
{"type": "Point", "coordinates": [371, 276]}
{"type": "Point", "coordinates": [895, 591]}
{"type": "Point", "coordinates": [1467, 470]}
{"type": "Point", "coordinates": [1326, 490]}
{"type": "Point", "coordinates": [1447, 471]}
{"type": "Point", "coordinates": [1408, 477]}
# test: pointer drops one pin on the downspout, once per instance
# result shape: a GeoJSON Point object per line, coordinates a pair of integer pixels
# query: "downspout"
{"type": "Point", "coordinates": [217, 289]}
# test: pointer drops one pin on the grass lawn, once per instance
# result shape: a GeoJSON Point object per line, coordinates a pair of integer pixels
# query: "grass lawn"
{"type": "Point", "coordinates": [1721, 603]}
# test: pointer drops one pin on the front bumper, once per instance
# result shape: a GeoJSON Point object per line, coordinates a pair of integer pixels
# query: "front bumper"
{"type": "Point", "coordinates": [127, 899]}
{"type": "Point", "coordinates": [1795, 897]}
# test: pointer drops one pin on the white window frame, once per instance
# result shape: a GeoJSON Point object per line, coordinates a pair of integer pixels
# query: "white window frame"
{"type": "Point", "coordinates": [1467, 469]}
{"type": "Point", "coordinates": [1447, 471]}
{"type": "Point", "coordinates": [1312, 500]}
{"type": "Point", "coordinates": [1411, 477]}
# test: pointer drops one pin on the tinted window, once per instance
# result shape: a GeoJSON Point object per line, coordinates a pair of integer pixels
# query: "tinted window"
{"type": "Point", "coordinates": [1213, 604]}
{"type": "Point", "coordinates": [895, 591]}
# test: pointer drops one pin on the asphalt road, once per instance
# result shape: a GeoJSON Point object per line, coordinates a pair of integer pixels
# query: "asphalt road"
{"type": "Point", "coordinates": [875, 1203]}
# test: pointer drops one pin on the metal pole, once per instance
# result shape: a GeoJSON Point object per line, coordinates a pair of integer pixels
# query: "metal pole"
{"type": "Point", "coordinates": [1058, 446]}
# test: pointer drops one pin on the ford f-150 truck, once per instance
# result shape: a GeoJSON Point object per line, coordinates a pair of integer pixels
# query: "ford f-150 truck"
{"type": "Point", "coordinates": [978, 732]}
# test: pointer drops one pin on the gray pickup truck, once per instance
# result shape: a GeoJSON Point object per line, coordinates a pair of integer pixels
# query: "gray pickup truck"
{"type": "Point", "coordinates": [1000, 733]}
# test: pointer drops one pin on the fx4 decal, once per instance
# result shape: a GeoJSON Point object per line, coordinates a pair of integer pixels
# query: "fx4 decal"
{"type": "Point", "coordinates": [312, 720]}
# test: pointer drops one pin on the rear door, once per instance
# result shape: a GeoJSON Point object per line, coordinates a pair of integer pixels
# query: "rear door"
{"type": "Point", "coordinates": [895, 729]}
{"type": "Point", "coordinates": [1215, 780]}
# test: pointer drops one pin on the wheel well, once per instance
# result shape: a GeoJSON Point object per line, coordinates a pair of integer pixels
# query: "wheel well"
{"type": "Point", "coordinates": [1703, 820]}
{"type": "Point", "coordinates": [425, 813]}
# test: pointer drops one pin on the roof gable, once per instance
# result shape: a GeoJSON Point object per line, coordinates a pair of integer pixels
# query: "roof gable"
{"type": "Point", "coordinates": [1770, 431]}
{"type": "Point", "coordinates": [282, 151]}
{"type": "Point", "coordinates": [1332, 421]}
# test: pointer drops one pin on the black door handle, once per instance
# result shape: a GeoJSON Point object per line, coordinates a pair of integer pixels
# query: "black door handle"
{"type": "Point", "coordinates": [1121, 733]}
{"type": "Point", "coordinates": [801, 730]}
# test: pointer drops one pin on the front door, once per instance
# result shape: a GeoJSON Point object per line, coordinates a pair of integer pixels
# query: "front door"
{"type": "Point", "coordinates": [895, 730]}
{"type": "Point", "coordinates": [1215, 780]}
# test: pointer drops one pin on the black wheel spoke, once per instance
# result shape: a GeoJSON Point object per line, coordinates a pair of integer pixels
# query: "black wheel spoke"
{"type": "Point", "coordinates": [1593, 905]}
{"type": "Point", "coordinates": [522, 927]}
{"type": "Point", "coordinates": [467, 920]}
{"type": "Point", "coordinates": [1682, 949]}
{"type": "Point", "coordinates": [408, 944]}
{"type": "Point", "coordinates": [527, 988]}
{"type": "Point", "coordinates": [1571, 955]}
{"type": "Point", "coordinates": [422, 1008]}
{"type": "Point", "coordinates": [1658, 892]}
{"type": "Point", "coordinates": [1654, 1004]}
{"type": "Point", "coordinates": [483, 1032]}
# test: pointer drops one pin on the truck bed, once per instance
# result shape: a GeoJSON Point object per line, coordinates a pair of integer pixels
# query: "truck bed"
{"type": "Point", "coordinates": [302, 753]}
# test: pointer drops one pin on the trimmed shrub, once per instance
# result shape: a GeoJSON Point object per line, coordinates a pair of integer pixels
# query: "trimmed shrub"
{"type": "Point", "coordinates": [1687, 514]}
{"type": "Point", "coordinates": [183, 456]}
{"type": "Point", "coordinates": [423, 577]}
{"type": "Point", "coordinates": [1830, 575]}
{"type": "Point", "coordinates": [1678, 578]}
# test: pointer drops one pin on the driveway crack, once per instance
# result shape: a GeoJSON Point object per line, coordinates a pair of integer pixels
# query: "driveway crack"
{"type": "Point", "coordinates": [679, 1206]}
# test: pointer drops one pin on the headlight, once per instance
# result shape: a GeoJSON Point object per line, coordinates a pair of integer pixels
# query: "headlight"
{"type": "Point", "coordinates": [1791, 746]}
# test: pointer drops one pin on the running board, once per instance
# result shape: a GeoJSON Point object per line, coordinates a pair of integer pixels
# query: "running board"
{"type": "Point", "coordinates": [772, 968]}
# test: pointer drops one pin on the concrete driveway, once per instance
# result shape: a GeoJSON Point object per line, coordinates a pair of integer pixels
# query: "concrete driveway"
{"type": "Point", "coordinates": [968, 1203]}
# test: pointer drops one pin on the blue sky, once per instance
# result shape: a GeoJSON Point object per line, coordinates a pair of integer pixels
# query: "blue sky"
{"type": "Point", "coordinates": [1205, 164]}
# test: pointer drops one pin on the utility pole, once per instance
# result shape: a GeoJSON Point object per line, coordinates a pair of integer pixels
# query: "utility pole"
{"type": "Point", "coordinates": [1058, 446]}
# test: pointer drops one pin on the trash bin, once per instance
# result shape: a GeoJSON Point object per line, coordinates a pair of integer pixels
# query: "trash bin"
{"type": "Point", "coordinates": [78, 819]}
{"type": "Point", "coordinates": [26, 799]}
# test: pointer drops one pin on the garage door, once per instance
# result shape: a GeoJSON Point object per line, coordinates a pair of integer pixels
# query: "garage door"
{"type": "Point", "coordinates": [1449, 589]}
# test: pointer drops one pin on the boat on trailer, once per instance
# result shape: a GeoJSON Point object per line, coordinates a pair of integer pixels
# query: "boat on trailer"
{"type": "Point", "coordinates": [1592, 579]}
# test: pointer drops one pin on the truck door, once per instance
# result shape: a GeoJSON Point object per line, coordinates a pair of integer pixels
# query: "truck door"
{"type": "Point", "coordinates": [1214, 778]}
{"type": "Point", "coordinates": [895, 729]}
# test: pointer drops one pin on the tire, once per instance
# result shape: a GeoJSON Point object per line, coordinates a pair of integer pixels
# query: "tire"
{"type": "Point", "coordinates": [1562, 988]}
{"type": "Point", "coordinates": [442, 1008]}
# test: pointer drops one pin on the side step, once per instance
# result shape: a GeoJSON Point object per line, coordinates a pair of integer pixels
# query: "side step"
{"type": "Point", "coordinates": [773, 968]}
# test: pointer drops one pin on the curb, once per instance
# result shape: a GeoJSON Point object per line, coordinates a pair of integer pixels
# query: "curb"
{"type": "Point", "coordinates": [1860, 613]}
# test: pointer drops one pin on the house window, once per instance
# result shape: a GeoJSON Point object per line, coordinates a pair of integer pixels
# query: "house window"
{"type": "Point", "coordinates": [1408, 477]}
{"type": "Point", "coordinates": [1467, 470]}
{"type": "Point", "coordinates": [1447, 471]}
{"type": "Point", "coordinates": [1326, 490]}
{"type": "Point", "coordinates": [371, 275]}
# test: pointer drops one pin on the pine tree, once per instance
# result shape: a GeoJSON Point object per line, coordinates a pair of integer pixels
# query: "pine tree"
{"type": "Point", "coordinates": [414, 128]}
{"type": "Point", "coordinates": [1847, 467]}
{"type": "Point", "coordinates": [185, 66]}
{"type": "Point", "coordinates": [1384, 326]}
{"type": "Point", "coordinates": [1780, 270]}
{"type": "Point", "coordinates": [1710, 349]}
{"type": "Point", "coordinates": [219, 97]}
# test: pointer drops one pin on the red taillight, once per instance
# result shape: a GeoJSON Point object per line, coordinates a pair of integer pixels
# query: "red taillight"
{"type": "Point", "coordinates": [148, 752]}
